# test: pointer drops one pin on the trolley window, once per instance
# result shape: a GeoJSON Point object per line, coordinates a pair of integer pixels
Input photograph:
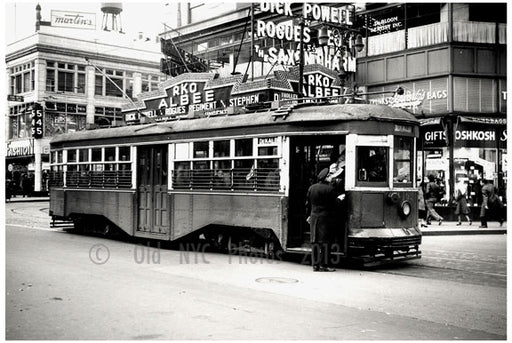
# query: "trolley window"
{"type": "Point", "coordinates": [108, 167]}
{"type": "Point", "coordinates": [229, 164]}
{"type": "Point", "coordinates": [372, 166]}
{"type": "Point", "coordinates": [403, 161]}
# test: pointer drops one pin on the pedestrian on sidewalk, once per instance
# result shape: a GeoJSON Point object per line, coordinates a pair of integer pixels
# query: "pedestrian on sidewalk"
{"type": "Point", "coordinates": [462, 209]}
{"type": "Point", "coordinates": [491, 203]}
{"type": "Point", "coordinates": [422, 210]}
{"type": "Point", "coordinates": [432, 196]}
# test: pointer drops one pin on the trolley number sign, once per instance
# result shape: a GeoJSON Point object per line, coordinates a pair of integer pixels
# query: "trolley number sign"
{"type": "Point", "coordinates": [37, 121]}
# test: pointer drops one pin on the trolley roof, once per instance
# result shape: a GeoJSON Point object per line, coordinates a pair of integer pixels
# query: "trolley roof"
{"type": "Point", "coordinates": [310, 113]}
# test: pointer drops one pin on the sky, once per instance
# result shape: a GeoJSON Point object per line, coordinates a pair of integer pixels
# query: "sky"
{"type": "Point", "coordinates": [146, 17]}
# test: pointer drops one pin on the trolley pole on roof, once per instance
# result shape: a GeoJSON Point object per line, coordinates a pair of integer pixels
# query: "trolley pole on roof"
{"type": "Point", "coordinates": [115, 84]}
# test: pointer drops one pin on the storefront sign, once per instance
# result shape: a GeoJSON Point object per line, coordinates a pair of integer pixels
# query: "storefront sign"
{"type": "Point", "coordinates": [20, 148]}
{"type": "Point", "coordinates": [420, 97]}
{"type": "Point", "coordinates": [75, 20]}
{"type": "Point", "coordinates": [385, 25]}
{"type": "Point", "coordinates": [411, 100]}
{"type": "Point", "coordinates": [319, 85]}
{"type": "Point", "coordinates": [205, 95]}
{"type": "Point", "coordinates": [312, 11]}
{"type": "Point", "coordinates": [331, 56]}
{"type": "Point", "coordinates": [466, 135]}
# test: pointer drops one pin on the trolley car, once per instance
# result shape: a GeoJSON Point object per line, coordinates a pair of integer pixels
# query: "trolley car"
{"type": "Point", "coordinates": [241, 180]}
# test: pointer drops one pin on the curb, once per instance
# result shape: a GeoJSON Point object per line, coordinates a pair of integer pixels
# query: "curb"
{"type": "Point", "coordinates": [27, 200]}
{"type": "Point", "coordinates": [464, 232]}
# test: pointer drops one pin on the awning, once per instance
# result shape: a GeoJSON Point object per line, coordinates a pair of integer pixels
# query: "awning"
{"type": "Point", "coordinates": [483, 120]}
{"type": "Point", "coordinates": [430, 121]}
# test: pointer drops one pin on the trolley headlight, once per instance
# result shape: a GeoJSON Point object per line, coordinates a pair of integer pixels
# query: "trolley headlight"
{"type": "Point", "coordinates": [405, 208]}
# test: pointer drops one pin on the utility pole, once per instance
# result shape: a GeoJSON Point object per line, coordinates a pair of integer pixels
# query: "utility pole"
{"type": "Point", "coordinates": [301, 58]}
{"type": "Point", "coordinates": [252, 41]}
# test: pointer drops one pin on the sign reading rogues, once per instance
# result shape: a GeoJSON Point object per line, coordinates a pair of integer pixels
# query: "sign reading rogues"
{"type": "Point", "coordinates": [291, 31]}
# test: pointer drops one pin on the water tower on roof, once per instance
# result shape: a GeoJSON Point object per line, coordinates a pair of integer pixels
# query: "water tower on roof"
{"type": "Point", "coordinates": [111, 14]}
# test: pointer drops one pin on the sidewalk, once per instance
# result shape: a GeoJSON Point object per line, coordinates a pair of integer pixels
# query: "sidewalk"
{"type": "Point", "coordinates": [20, 198]}
{"type": "Point", "coordinates": [451, 228]}
{"type": "Point", "coordinates": [446, 228]}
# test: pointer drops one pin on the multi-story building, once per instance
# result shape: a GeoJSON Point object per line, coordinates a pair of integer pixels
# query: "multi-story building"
{"type": "Point", "coordinates": [449, 58]}
{"type": "Point", "coordinates": [80, 76]}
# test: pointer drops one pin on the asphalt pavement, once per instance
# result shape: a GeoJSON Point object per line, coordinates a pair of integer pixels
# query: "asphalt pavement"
{"type": "Point", "coordinates": [446, 228]}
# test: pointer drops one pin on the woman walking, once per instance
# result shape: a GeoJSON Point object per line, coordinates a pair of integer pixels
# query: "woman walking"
{"type": "Point", "coordinates": [422, 210]}
{"type": "Point", "coordinates": [462, 206]}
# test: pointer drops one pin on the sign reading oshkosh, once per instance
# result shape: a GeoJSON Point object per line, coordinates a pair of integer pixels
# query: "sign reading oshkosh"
{"type": "Point", "coordinates": [74, 20]}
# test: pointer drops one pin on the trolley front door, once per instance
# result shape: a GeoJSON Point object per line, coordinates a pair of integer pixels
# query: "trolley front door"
{"type": "Point", "coordinates": [308, 156]}
{"type": "Point", "coordinates": [152, 189]}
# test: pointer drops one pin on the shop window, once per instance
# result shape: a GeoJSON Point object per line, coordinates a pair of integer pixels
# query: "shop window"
{"type": "Point", "coordinates": [488, 12]}
{"type": "Point", "coordinates": [420, 14]}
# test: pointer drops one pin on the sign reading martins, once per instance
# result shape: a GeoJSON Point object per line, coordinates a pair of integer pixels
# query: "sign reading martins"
{"type": "Point", "coordinates": [75, 20]}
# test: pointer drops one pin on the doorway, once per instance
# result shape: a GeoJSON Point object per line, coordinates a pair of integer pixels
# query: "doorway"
{"type": "Point", "coordinates": [153, 211]}
{"type": "Point", "coordinates": [308, 156]}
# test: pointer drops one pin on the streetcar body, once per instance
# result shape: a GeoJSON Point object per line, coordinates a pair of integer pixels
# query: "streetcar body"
{"type": "Point", "coordinates": [241, 180]}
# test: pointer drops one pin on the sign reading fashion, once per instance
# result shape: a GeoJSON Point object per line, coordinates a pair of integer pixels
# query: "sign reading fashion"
{"type": "Point", "coordinates": [75, 20]}
{"type": "Point", "coordinates": [20, 148]}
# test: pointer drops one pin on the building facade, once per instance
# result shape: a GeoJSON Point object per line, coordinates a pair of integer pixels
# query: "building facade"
{"type": "Point", "coordinates": [449, 58]}
{"type": "Point", "coordinates": [77, 78]}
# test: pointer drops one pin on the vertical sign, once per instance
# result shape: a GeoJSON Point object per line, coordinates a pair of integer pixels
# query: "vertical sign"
{"type": "Point", "coordinates": [37, 121]}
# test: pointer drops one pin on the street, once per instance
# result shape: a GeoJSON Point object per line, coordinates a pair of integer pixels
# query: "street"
{"type": "Point", "coordinates": [61, 285]}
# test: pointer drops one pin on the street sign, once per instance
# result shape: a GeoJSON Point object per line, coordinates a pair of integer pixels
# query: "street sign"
{"type": "Point", "coordinates": [18, 98]}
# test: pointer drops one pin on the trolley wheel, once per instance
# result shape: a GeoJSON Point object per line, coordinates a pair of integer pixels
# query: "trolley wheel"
{"type": "Point", "coordinates": [106, 230]}
{"type": "Point", "coordinates": [79, 224]}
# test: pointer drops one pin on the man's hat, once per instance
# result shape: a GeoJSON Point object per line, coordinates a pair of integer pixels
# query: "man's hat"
{"type": "Point", "coordinates": [322, 175]}
{"type": "Point", "coordinates": [336, 171]}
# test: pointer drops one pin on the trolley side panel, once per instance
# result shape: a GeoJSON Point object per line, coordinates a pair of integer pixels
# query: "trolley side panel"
{"type": "Point", "coordinates": [377, 210]}
{"type": "Point", "coordinates": [57, 201]}
{"type": "Point", "coordinates": [190, 212]}
{"type": "Point", "coordinates": [118, 207]}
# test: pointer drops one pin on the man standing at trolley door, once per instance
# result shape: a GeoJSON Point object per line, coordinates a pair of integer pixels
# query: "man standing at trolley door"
{"type": "Point", "coordinates": [321, 205]}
